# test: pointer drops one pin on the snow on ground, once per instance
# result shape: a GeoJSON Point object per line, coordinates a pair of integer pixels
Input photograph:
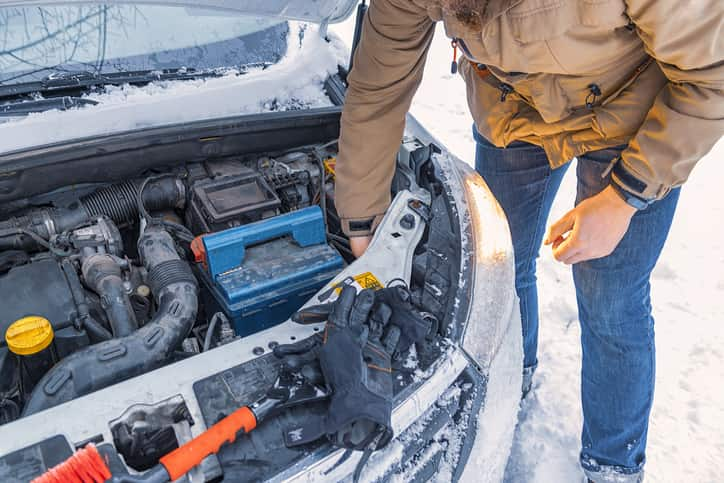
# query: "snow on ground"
{"type": "Point", "coordinates": [686, 436]}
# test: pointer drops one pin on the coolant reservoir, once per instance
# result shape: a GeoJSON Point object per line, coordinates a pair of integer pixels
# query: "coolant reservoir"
{"type": "Point", "coordinates": [29, 335]}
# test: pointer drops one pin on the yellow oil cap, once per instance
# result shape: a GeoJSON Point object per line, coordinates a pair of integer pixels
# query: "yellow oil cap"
{"type": "Point", "coordinates": [29, 335]}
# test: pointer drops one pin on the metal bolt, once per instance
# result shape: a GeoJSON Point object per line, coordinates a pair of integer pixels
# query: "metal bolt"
{"type": "Point", "coordinates": [407, 222]}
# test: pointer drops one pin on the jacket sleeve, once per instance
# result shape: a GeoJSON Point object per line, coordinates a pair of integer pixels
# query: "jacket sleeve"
{"type": "Point", "coordinates": [388, 66]}
{"type": "Point", "coordinates": [687, 117]}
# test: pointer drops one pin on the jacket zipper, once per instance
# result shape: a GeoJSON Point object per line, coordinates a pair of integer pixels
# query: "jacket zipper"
{"type": "Point", "coordinates": [455, 43]}
{"type": "Point", "coordinates": [454, 64]}
{"type": "Point", "coordinates": [505, 89]}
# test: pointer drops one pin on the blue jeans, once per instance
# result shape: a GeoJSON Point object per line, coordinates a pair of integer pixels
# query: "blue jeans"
{"type": "Point", "coordinates": [614, 305]}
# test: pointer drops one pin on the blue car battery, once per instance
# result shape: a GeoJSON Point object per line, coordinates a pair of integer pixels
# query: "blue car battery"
{"type": "Point", "coordinates": [259, 274]}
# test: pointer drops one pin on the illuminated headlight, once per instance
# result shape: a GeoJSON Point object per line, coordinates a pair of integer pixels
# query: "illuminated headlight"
{"type": "Point", "coordinates": [492, 335]}
{"type": "Point", "coordinates": [494, 310]}
{"type": "Point", "coordinates": [490, 226]}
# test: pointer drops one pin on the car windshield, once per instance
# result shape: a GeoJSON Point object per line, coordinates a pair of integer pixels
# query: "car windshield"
{"type": "Point", "coordinates": [37, 42]}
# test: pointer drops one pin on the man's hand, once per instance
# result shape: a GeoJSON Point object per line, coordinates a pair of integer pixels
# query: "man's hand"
{"type": "Point", "coordinates": [358, 244]}
{"type": "Point", "coordinates": [595, 228]}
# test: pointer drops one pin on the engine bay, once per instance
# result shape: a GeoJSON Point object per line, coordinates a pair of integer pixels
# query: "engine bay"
{"type": "Point", "coordinates": [152, 296]}
{"type": "Point", "coordinates": [107, 281]}
{"type": "Point", "coordinates": [87, 266]}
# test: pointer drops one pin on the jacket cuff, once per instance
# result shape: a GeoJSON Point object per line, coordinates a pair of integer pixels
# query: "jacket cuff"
{"type": "Point", "coordinates": [353, 227]}
{"type": "Point", "coordinates": [624, 177]}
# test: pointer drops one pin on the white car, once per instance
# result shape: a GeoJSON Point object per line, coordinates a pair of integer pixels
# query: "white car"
{"type": "Point", "coordinates": [166, 204]}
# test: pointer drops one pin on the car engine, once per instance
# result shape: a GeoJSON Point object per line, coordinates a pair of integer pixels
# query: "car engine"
{"type": "Point", "coordinates": [102, 283]}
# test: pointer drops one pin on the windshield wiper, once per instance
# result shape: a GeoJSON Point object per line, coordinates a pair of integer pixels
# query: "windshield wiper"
{"type": "Point", "coordinates": [62, 82]}
{"type": "Point", "coordinates": [23, 108]}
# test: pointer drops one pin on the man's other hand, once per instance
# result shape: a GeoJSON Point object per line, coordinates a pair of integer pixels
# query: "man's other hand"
{"type": "Point", "coordinates": [358, 245]}
{"type": "Point", "coordinates": [593, 229]}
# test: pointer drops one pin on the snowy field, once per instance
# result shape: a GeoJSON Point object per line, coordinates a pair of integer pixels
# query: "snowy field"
{"type": "Point", "coordinates": [686, 436]}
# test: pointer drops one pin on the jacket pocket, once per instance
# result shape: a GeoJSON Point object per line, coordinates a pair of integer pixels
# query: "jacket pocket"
{"type": "Point", "coordinates": [540, 20]}
{"type": "Point", "coordinates": [602, 13]}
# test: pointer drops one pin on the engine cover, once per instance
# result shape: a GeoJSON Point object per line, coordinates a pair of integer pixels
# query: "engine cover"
{"type": "Point", "coordinates": [41, 288]}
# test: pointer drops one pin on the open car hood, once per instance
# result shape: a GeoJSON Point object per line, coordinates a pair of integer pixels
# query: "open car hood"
{"type": "Point", "coordinates": [319, 11]}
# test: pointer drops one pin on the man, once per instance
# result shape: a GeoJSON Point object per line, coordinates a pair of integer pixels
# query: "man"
{"type": "Point", "coordinates": [633, 88]}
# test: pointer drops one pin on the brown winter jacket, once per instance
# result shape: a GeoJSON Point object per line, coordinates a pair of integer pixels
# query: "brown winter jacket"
{"type": "Point", "coordinates": [581, 74]}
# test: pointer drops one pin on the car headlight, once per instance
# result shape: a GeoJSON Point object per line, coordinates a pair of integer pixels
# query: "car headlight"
{"type": "Point", "coordinates": [490, 226]}
{"type": "Point", "coordinates": [492, 335]}
{"type": "Point", "coordinates": [494, 303]}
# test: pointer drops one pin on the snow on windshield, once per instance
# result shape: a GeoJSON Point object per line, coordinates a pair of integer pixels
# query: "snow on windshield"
{"type": "Point", "coordinates": [294, 83]}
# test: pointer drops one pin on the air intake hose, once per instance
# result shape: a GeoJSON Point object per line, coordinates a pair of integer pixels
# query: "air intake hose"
{"type": "Point", "coordinates": [117, 202]}
{"type": "Point", "coordinates": [150, 347]}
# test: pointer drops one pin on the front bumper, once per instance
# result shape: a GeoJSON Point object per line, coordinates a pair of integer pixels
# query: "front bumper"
{"type": "Point", "coordinates": [489, 314]}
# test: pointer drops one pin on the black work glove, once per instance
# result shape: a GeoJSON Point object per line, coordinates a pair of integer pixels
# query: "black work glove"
{"type": "Point", "coordinates": [354, 356]}
{"type": "Point", "coordinates": [412, 325]}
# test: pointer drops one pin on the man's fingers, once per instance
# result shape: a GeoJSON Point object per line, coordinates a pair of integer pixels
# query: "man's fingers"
{"type": "Point", "coordinates": [572, 256]}
{"type": "Point", "coordinates": [567, 248]}
{"type": "Point", "coordinates": [577, 258]}
{"type": "Point", "coordinates": [358, 245]}
{"type": "Point", "coordinates": [560, 228]}
{"type": "Point", "coordinates": [565, 252]}
{"type": "Point", "coordinates": [584, 256]}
